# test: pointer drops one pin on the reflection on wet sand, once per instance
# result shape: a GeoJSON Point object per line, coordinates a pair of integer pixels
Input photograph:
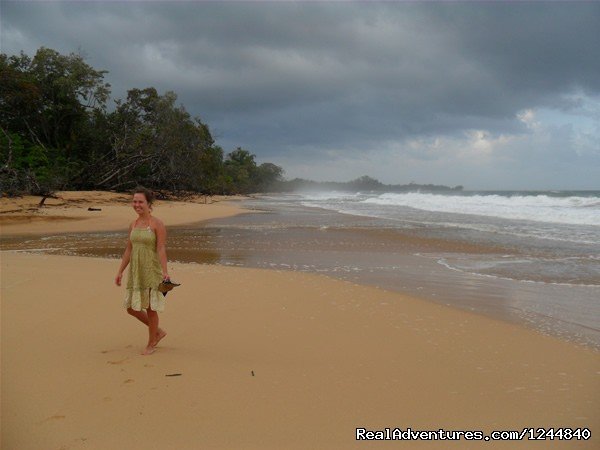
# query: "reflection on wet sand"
{"type": "Point", "coordinates": [348, 249]}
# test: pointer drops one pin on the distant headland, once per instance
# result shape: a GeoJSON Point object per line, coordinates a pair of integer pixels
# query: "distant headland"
{"type": "Point", "coordinates": [364, 183]}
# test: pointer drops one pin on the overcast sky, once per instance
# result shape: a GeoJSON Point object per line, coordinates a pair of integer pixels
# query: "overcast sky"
{"type": "Point", "coordinates": [487, 95]}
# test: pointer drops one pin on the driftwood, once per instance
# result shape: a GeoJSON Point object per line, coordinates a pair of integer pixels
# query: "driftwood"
{"type": "Point", "coordinates": [45, 197]}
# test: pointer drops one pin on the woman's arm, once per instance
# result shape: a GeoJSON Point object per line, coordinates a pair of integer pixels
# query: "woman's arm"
{"type": "Point", "coordinates": [161, 247]}
{"type": "Point", "coordinates": [125, 260]}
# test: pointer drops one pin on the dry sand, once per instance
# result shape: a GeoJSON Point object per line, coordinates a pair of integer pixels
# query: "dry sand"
{"type": "Point", "coordinates": [268, 359]}
{"type": "Point", "coordinates": [70, 212]}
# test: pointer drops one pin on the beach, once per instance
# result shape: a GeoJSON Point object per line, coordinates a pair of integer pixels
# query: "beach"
{"type": "Point", "coordinates": [261, 358]}
{"type": "Point", "coordinates": [110, 211]}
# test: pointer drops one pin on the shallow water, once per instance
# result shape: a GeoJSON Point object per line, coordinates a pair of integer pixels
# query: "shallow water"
{"type": "Point", "coordinates": [555, 235]}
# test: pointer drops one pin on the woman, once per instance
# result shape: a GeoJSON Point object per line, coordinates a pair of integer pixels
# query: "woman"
{"type": "Point", "coordinates": [146, 251]}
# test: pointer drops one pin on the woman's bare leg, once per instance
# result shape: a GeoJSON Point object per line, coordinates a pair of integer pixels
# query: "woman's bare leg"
{"type": "Point", "coordinates": [142, 316]}
{"type": "Point", "coordinates": [139, 315]}
{"type": "Point", "coordinates": [152, 331]}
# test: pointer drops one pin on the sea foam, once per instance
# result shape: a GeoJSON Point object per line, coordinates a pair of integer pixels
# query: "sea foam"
{"type": "Point", "coordinates": [541, 208]}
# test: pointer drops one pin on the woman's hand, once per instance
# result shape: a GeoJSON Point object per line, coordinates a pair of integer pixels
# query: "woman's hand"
{"type": "Point", "coordinates": [126, 258]}
{"type": "Point", "coordinates": [161, 241]}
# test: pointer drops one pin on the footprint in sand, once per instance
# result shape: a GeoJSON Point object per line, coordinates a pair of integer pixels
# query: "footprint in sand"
{"type": "Point", "coordinates": [54, 417]}
{"type": "Point", "coordinates": [120, 361]}
{"type": "Point", "coordinates": [128, 380]}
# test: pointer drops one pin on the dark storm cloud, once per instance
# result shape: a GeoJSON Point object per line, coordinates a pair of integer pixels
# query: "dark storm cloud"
{"type": "Point", "coordinates": [278, 77]}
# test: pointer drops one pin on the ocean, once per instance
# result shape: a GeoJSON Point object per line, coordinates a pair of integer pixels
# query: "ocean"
{"type": "Point", "coordinates": [553, 236]}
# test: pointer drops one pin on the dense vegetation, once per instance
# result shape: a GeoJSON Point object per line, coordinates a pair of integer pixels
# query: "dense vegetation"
{"type": "Point", "coordinates": [57, 133]}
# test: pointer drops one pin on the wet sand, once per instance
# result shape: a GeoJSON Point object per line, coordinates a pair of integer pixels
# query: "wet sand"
{"type": "Point", "coordinates": [353, 249]}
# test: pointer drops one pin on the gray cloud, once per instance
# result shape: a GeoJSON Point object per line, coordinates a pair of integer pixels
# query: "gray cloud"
{"type": "Point", "coordinates": [294, 80]}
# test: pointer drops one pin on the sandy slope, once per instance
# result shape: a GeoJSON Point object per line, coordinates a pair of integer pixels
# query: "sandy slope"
{"type": "Point", "coordinates": [70, 212]}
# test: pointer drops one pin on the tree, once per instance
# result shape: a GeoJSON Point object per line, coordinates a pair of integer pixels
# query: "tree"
{"type": "Point", "coordinates": [267, 175]}
{"type": "Point", "coordinates": [48, 101]}
{"type": "Point", "coordinates": [240, 171]}
{"type": "Point", "coordinates": [47, 97]}
{"type": "Point", "coordinates": [156, 143]}
{"type": "Point", "coordinates": [366, 183]}
{"type": "Point", "coordinates": [55, 133]}
{"type": "Point", "coordinates": [212, 178]}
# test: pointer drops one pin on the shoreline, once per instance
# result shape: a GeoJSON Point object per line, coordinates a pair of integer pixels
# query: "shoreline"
{"type": "Point", "coordinates": [412, 268]}
{"type": "Point", "coordinates": [354, 248]}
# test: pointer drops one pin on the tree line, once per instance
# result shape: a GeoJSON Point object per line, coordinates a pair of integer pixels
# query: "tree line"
{"type": "Point", "coordinates": [57, 133]}
{"type": "Point", "coordinates": [364, 183]}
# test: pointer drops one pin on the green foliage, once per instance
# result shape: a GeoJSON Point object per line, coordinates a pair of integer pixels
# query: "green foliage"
{"type": "Point", "coordinates": [46, 103]}
{"type": "Point", "coordinates": [240, 168]}
{"type": "Point", "coordinates": [48, 97]}
{"type": "Point", "coordinates": [244, 176]}
{"type": "Point", "coordinates": [28, 167]}
{"type": "Point", "coordinates": [268, 174]}
{"type": "Point", "coordinates": [211, 175]}
{"type": "Point", "coordinates": [55, 133]}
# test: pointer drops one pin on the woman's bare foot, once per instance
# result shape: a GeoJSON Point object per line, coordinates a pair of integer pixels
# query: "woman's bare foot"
{"type": "Point", "coordinates": [152, 345]}
{"type": "Point", "coordinates": [148, 350]}
{"type": "Point", "coordinates": [159, 335]}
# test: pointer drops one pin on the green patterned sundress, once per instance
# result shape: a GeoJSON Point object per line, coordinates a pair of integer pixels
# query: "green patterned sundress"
{"type": "Point", "coordinates": [145, 273]}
